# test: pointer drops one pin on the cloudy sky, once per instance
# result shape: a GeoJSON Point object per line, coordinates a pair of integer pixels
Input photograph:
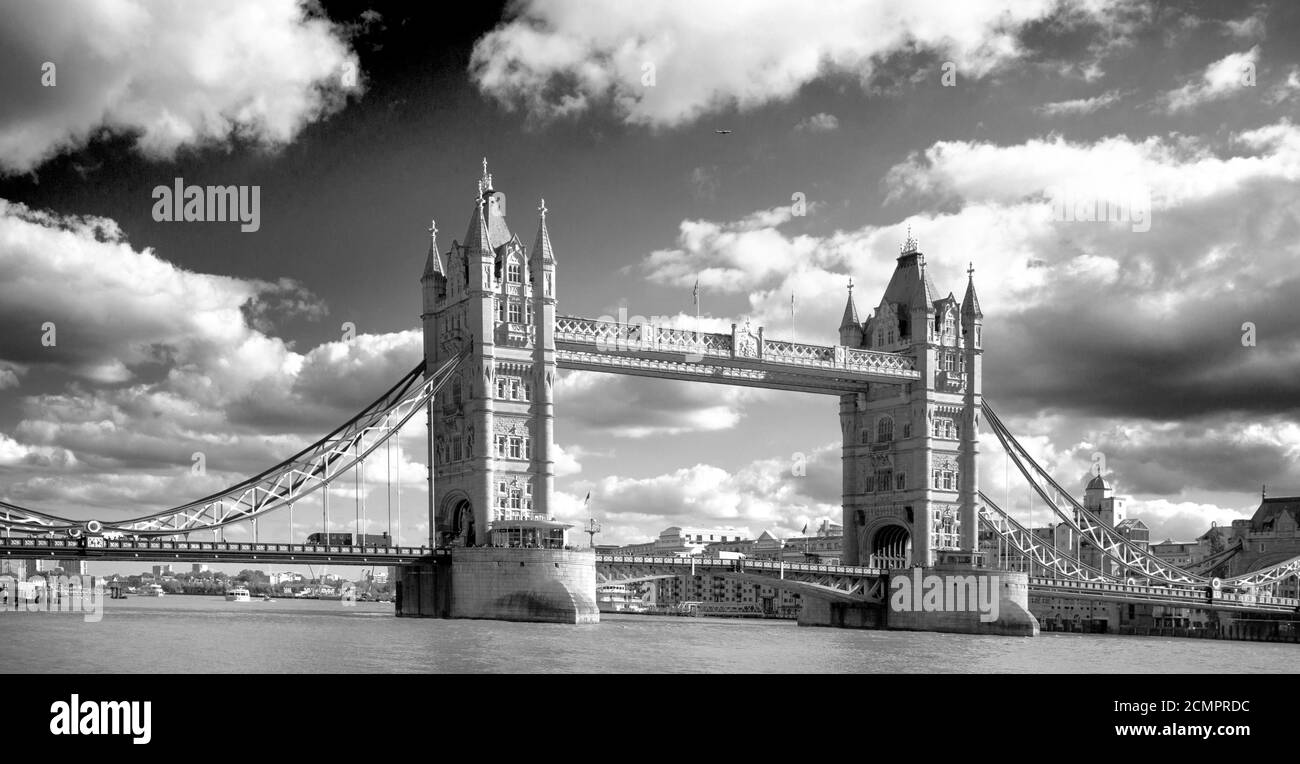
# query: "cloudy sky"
{"type": "Point", "coordinates": [972, 123]}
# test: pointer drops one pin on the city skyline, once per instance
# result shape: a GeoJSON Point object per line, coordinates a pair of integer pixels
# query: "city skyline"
{"type": "Point", "coordinates": [1123, 339]}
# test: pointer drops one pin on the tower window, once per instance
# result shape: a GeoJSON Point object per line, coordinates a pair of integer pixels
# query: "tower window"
{"type": "Point", "coordinates": [885, 429]}
{"type": "Point", "coordinates": [514, 273]}
{"type": "Point", "coordinates": [513, 308]}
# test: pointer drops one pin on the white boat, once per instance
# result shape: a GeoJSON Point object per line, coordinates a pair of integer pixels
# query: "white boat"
{"type": "Point", "coordinates": [617, 598]}
{"type": "Point", "coordinates": [238, 594]}
{"type": "Point", "coordinates": [152, 590]}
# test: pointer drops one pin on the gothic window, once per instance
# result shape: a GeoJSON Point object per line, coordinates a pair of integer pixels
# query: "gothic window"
{"type": "Point", "coordinates": [900, 481]}
{"type": "Point", "coordinates": [885, 429]}
{"type": "Point", "coordinates": [938, 478]}
{"type": "Point", "coordinates": [907, 429]}
{"type": "Point", "coordinates": [528, 391]}
{"type": "Point", "coordinates": [456, 450]}
{"type": "Point", "coordinates": [501, 446]}
{"type": "Point", "coordinates": [865, 437]}
{"type": "Point", "coordinates": [501, 387]}
{"type": "Point", "coordinates": [884, 480]}
{"type": "Point", "coordinates": [513, 308]}
{"type": "Point", "coordinates": [500, 309]}
{"type": "Point", "coordinates": [456, 391]}
{"type": "Point", "coordinates": [528, 313]}
{"type": "Point", "coordinates": [513, 272]}
{"type": "Point", "coordinates": [516, 448]}
{"type": "Point", "coordinates": [947, 480]}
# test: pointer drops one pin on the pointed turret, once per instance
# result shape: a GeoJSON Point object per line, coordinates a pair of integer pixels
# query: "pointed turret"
{"type": "Point", "coordinates": [433, 264]}
{"type": "Point", "coordinates": [542, 247]}
{"type": "Point", "coordinates": [970, 304]}
{"type": "Point", "coordinates": [434, 280]}
{"type": "Point", "coordinates": [476, 238]}
{"type": "Point", "coordinates": [850, 326]}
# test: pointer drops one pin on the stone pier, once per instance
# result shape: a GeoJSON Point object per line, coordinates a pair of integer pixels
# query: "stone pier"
{"type": "Point", "coordinates": [538, 585]}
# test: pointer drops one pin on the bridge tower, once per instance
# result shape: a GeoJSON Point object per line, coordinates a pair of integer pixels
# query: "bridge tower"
{"type": "Point", "coordinates": [910, 454]}
{"type": "Point", "coordinates": [491, 433]}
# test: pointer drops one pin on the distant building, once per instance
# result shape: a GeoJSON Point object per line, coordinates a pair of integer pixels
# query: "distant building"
{"type": "Point", "coordinates": [1177, 553]}
{"type": "Point", "coordinates": [198, 567]}
{"type": "Point", "coordinates": [676, 541]}
{"type": "Point", "coordinates": [163, 570]}
{"type": "Point", "coordinates": [1270, 536]}
{"type": "Point", "coordinates": [670, 592]}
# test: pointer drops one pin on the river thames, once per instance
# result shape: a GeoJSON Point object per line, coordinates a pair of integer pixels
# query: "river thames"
{"type": "Point", "coordinates": [207, 634]}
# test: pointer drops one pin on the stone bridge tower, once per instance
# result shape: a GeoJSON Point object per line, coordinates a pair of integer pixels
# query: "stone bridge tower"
{"type": "Point", "coordinates": [911, 450]}
{"type": "Point", "coordinates": [491, 428]}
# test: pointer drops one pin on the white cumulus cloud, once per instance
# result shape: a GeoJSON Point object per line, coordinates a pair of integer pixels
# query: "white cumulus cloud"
{"type": "Point", "coordinates": [169, 74]}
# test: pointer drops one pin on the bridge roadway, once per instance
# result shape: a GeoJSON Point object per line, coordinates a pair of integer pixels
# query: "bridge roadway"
{"type": "Point", "coordinates": [210, 551]}
{"type": "Point", "coordinates": [840, 583]}
{"type": "Point", "coordinates": [1161, 595]}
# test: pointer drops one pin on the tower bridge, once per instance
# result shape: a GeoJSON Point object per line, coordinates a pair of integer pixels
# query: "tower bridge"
{"type": "Point", "coordinates": [907, 379]}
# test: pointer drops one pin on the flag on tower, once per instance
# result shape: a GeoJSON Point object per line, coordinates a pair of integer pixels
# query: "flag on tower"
{"type": "Point", "coordinates": [695, 293]}
{"type": "Point", "coordinates": [805, 529]}
{"type": "Point", "coordinates": [584, 501]}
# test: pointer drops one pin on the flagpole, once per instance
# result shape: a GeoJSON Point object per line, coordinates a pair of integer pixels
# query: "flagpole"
{"type": "Point", "coordinates": [793, 333]}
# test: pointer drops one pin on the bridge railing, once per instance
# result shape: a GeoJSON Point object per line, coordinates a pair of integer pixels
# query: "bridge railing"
{"type": "Point", "coordinates": [1188, 594]}
{"type": "Point", "coordinates": [37, 544]}
{"type": "Point", "coordinates": [748, 563]}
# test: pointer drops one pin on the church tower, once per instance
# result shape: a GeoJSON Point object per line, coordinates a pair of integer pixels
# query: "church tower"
{"type": "Point", "coordinates": [492, 426]}
{"type": "Point", "coordinates": [911, 450]}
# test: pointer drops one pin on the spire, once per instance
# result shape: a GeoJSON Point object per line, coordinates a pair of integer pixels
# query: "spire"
{"type": "Point", "coordinates": [485, 184]}
{"type": "Point", "coordinates": [433, 265]}
{"type": "Point", "coordinates": [542, 247]}
{"type": "Point", "coordinates": [850, 318]}
{"type": "Point", "coordinates": [970, 304]}
{"type": "Point", "coordinates": [476, 239]}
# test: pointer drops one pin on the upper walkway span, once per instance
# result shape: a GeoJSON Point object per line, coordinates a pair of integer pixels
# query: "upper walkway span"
{"type": "Point", "coordinates": [741, 358]}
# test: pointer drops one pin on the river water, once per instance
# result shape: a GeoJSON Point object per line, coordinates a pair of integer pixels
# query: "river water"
{"type": "Point", "coordinates": [208, 634]}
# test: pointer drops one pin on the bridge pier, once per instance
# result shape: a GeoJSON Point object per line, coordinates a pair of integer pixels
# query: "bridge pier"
{"type": "Point", "coordinates": [499, 583]}
{"type": "Point", "coordinates": [960, 599]}
{"type": "Point", "coordinates": [816, 611]}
